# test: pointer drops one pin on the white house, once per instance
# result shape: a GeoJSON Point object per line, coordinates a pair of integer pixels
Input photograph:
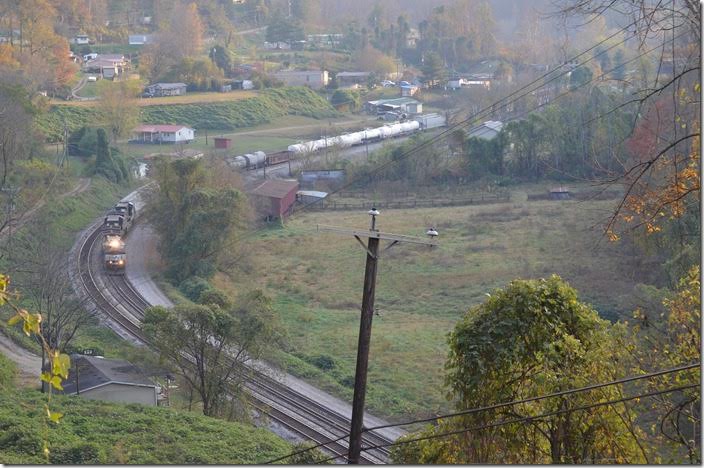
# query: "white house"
{"type": "Point", "coordinates": [139, 39]}
{"type": "Point", "coordinates": [163, 134]}
{"type": "Point", "coordinates": [486, 131]}
{"type": "Point", "coordinates": [97, 378]}
{"type": "Point", "coordinates": [315, 79]}
{"type": "Point", "coordinates": [80, 39]}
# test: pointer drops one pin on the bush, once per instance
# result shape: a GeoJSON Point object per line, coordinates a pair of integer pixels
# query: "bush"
{"type": "Point", "coordinates": [215, 296]}
{"type": "Point", "coordinates": [193, 287]}
{"type": "Point", "coordinates": [82, 454]}
{"type": "Point", "coordinates": [323, 362]}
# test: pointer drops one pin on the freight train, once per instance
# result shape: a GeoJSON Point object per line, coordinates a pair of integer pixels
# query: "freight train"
{"type": "Point", "coordinates": [116, 223]}
{"type": "Point", "coordinates": [259, 159]}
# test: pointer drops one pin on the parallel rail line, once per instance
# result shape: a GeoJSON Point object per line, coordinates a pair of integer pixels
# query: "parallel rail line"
{"type": "Point", "coordinates": [296, 412]}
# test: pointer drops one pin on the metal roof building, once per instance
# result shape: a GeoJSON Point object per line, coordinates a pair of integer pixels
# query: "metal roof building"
{"type": "Point", "coordinates": [97, 378]}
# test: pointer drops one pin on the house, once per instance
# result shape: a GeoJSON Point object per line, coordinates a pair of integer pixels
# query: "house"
{"type": "Point", "coordinates": [242, 84]}
{"type": "Point", "coordinates": [486, 131]}
{"type": "Point", "coordinates": [315, 79]}
{"type": "Point", "coordinates": [139, 39]}
{"type": "Point", "coordinates": [97, 378]}
{"type": "Point", "coordinates": [166, 89]}
{"type": "Point", "coordinates": [80, 39]}
{"type": "Point", "coordinates": [163, 134]}
{"type": "Point", "coordinates": [325, 40]}
{"type": "Point", "coordinates": [402, 105]}
{"type": "Point", "coordinates": [277, 45]}
{"type": "Point", "coordinates": [274, 199]}
{"type": "Point", "coordinates": [408, 90]}
{"type": "Point", "coordinates": [108, 65]}
{"type": "Point", "coordinates": [350, 79]}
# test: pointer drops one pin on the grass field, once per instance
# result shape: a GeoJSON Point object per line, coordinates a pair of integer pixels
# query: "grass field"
{"type": "Point", "coordinates": [316, 280]}
{"type": "Point", "coordinates": [189, 98]}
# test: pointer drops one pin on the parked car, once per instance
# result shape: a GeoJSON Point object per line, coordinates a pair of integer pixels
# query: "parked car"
{"type": "Point", "coordinates": [93, 78]}
{"type": "Point", "coordinates": [387, 84]}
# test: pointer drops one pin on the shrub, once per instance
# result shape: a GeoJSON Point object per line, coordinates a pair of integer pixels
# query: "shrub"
{"type": "Point", "coordinates": [193, 287]}
{"type": "Point", "coordinates": [8, 371]}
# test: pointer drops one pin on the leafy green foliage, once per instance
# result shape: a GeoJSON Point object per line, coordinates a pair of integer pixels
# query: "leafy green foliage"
{"type": "Point", "coordinates": [283, 29]}
{"type": "Point", "coordinates": [98, 432]}
{"type": "Point", "coordinates": [529, 339]}
{"type": "Point", "coordinates": [220, 338]}
{"type": "Point", "coordinates": [195, 216]}
{"type": "Point", "coordinates": [485, 156]}
{"type": "Point", "coordinates": [270, 103]}
{"type": "Point", "coordinates": [193, 287]}
{"type": "Point", "coordinates": [433, 69]}
{"type": "Point", "coordinates": [8, 370]}
{"type": "Point", "coordinates": [110, 166]}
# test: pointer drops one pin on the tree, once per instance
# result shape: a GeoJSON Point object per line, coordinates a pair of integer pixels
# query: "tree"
{"type": "Point", "coordinates": [210, 343]}
{"type": "Point", "coordinates": [118, 112]}
{"type": "Point", "coordinates": [532, 338]}
{"type": "Point", "coordinates": [345, 97]}
{"type": "Point", "coordinates": [196, 212]}
{"type": "Point", "coordinates": [580, 76]}
{"type": "Point", "coordinates": [485, 156]}
{"type": "Point", "coordinates": [433, 69]}
{"type": "Point", "coordinates": [221, 56]}
{"type": "Point", "coordinates": [667, 338]}
{"type": "Point", "coordinates": [282, 29]}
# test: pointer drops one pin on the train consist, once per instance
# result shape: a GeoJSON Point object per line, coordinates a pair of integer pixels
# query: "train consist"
{"type": "Point", "coordinates": [259, 159]}
{"type": "Point", "coordinates": [116, 223]}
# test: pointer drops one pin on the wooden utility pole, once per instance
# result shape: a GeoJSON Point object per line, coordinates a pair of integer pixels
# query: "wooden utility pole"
{"type": "Point", "coordinates": [365, 322]}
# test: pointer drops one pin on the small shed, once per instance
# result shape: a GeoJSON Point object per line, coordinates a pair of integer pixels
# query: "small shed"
{"type": "Point", "coordinates": [487, 130]}
{"type": "Point", "coordinates": [275, 198]}
{"type": "Point", "coordinates": [559, 193]}
{"type": "Point", "coordinates": [310, 196]}
{"type": "Point", "coordinates": [97, 378]}
{"type": "Point", "coordinates": [223, 143]}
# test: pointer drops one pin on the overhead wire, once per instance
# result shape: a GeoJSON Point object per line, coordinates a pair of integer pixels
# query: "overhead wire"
{"type": "Point", "coordinates": [509, 403]}
{"type": "Point", "coordinates": [466, 122]}
{"type": "Point", "coordinates": [525, 419]}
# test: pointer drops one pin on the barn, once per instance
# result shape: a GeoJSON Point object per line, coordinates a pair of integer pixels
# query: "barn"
{"type": "Point", "coordinates": [274, 199]}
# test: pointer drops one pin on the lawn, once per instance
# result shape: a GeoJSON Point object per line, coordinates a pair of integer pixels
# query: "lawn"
{"type": "Point", "coordinates": [316, 278]}
{"type": "Point", "coordinates": [188, 98]}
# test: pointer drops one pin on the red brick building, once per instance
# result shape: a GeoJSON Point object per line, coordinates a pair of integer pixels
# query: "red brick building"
{"type": "Point", "coordinates": [274, 198]}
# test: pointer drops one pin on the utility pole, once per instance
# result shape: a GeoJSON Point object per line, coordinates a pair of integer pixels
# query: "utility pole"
{"type": "Point", "coordinates": [374, 236]}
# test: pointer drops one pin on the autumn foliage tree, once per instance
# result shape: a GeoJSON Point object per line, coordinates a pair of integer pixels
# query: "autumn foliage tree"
{"type": "Point", "coordinates": [529, 339]}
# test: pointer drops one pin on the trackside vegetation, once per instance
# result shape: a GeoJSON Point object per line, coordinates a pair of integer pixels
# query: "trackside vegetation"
{"type": "Point", "coordinates": [265, 107]}
{"type": "Point", "coordinates": [97, 432]}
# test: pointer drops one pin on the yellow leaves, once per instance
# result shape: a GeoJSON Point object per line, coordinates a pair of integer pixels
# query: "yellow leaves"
{"type": "Point", "coordinates": [613, 237]}
{"type": "Point", "coordinates": [697, 87]}
{"type": "Point", "coordinates": [31, 322]}
{"type": "Point", "coordinates": [60, 364]}
{"type": "Point", "coordinates": [54, 417]}
{"type": "Point", "coordinates": [652, 228]}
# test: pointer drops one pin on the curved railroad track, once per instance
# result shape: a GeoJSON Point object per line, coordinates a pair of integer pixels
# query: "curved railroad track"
{"type": "Point", "coordinates": [124, 308]}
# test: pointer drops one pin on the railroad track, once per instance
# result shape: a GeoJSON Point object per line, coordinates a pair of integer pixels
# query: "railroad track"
{"type": "Point", "coordinates": [124, 306]}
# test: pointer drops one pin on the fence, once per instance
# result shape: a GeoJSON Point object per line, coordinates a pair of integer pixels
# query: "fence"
{"type": "Point", "coordinates": [479, 199]}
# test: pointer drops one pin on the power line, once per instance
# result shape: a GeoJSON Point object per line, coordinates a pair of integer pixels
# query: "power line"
{"type": "Point", "coordinates": [510, 403]}
{"type": "Point", "coordinates": [526, 418]}
{"type": "Point", "coordinates": [483, 111]}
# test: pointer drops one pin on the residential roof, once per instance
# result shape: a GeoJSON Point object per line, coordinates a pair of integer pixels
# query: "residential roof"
{"type": "Point", "coordinates": [494, 125]}
{"type": "Point", "coordinates": [275, 188]}
{"type": "Point", "coordinates": [114, 57]}
{"type": "Point", "coordinates": [169, 85]}
{"type": "Point", "coordinates": [353, 74]}
{"type": "Point", "coordinates": [298, 72]}
{"type": "Point", "coordinates": [394, 102]}
{"type": "Point", "coordinates": [159, 128]}
{"type": "Point", "coordinates": [92, 372]}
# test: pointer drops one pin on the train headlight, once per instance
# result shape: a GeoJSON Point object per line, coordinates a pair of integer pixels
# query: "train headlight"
{"type": "Point", "coordinates": [114, 243]}
{"type": "Point", "coordinates": [120, 262]}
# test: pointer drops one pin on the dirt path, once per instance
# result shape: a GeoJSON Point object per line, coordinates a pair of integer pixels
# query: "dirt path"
{"type": "Point", "coordinates": [82, 185]}
{"type": "Point", "coordinates": [28, 364]}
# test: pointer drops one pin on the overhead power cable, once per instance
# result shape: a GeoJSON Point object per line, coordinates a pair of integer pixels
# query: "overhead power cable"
{"type": "Point", "coordinates": [526, 419]}
{"type": "Point", "coordinates": [509, 403]}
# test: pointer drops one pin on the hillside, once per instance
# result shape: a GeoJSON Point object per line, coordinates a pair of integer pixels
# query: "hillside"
{"type": "Point", "coordinates": [96, 432]}
{"type": "Point", "coordinates": [261, 109]}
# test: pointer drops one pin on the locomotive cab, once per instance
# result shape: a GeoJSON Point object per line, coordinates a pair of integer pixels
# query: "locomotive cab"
{"type": "Point", "coordinates": [114, 222]}
{"type": "Point", "coordinates": [115, 263]}
{"type": "Point", "coordinates": [127, 209]}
